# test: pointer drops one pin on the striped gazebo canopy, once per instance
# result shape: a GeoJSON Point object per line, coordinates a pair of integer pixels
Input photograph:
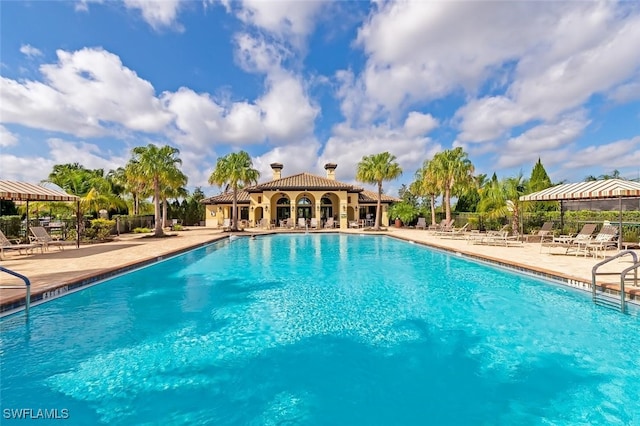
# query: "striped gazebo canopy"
{"type": "Point", "coordinates": [23, 191]}
{"type": "Point", "coordinates": [597, 189]}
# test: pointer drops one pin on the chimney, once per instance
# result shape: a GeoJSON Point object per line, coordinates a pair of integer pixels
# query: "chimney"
{"type": "Point", "coordinates": [331, 170]}
{"type": "Point", "coordinates": [277, 170]}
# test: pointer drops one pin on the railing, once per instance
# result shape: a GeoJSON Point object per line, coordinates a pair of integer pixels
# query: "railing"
{"type": "Point", "coordinates": [27, 283]}
{"type": "Point", "coordinates": [623, 275]}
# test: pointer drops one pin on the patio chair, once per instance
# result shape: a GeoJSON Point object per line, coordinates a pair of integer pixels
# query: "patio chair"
{"type": "Point", "coordinates": [313, 224]}
{"type": "Point", "coordinates": [330, 223]}
{"type": "Point", "coordinates": [302, 223]}
{"type": "Point", "coordinates": [454, 232]}
{"type": "Point", "coordinates": [42, 237]}
{"type": "Point", "coordinates": [444, 224]}
{"type": "Point", "coordinates": [226, 225]}
{"type": "Point", "coordinates": [569, 242]}
{"type": "Point", "coordinates": [422, 223]}
{"type": "Point", "coordinates": [15, 244]}
{"type": "Point", "coordinates": [542, 234]}
{"type": "Point", "coordinates": [482, 238]}
{"type": "Point", "coordinates": [607, 237]}
{"type": "Point", "coordinates": [354, 224]}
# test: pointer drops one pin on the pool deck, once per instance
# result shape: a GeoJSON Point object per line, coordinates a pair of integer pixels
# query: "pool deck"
{"type": "Point", "coordinates": [56, 272]}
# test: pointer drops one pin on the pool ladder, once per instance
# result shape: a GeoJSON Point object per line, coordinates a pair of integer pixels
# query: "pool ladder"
{"type": "Point", "coordinates": [27, 284]}
{"type": "Point", "coordinates": [601, 297]}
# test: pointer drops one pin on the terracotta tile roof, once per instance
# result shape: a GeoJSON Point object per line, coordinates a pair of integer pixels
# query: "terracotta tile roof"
{"type": "Point", "coordinates": [227, 198]}
{"type": "Point", "coordinates": [372, 197]}
{"type": "Point", "coordinates": [304, 181]}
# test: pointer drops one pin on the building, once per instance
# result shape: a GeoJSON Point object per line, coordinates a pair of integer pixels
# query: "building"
{"type": "Point", "coordinates": [284, 201]}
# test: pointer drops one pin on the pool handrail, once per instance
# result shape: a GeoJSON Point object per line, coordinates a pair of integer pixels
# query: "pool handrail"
{"type": "Point", "coordinates": [623, 274]}
{"type": "Point", "coordinates": [27, 283]}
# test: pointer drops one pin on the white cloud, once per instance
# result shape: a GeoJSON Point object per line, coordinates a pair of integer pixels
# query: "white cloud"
{"type": "Point", "coordinates": [7, 138]}
{"type": "Point", "coordinates": [30, 51]}
{"type": "Point", "coordinates": [288, 112]}
{"type": "Point", "coordinates": [89, 155]}
{"type": "Point", "coordinates": [626, 92]}
{"type": "Point", "coordinates": [157, 13]}
{"type": "Point", "coordinates": [255, 54]}
{"type": "Point", "coordinates": [419, 124]}
{"type": "Point", "coordinates": [543, 140]}
{"type": "Point", "coordinates": [616, 155]}
{"type": "Point", "coordinates": [23, 168]}
{"type": "Point", "coordinates": [86, 93]}
{"type": "Point", "coordinates": [296, 158]}
{"type": "Point", "coordinates": [288, 19]}
{"type": "Point", "coordinates": [347, 146]}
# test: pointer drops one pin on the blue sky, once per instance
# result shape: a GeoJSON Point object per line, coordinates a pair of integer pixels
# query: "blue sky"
{"type": "Point", "coordinates": [304, 83]}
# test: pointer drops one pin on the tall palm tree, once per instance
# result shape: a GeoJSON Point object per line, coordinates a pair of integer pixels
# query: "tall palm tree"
{"type": "Point", "coordinates": [426, 185]}
{"type": "Point", "coordinates": [453, 171]}
{"type": "Point", "coordinates": [375, 169]}
{"type": "Point", "coordinates": [173, 188]}
{"type": "Point", "coordinates": [157, 166]}
{"type": "Point", "coordinates": [235, 170]}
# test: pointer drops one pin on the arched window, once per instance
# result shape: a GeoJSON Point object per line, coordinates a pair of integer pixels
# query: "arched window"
{"type": "Point", "coordinates": [283, 201]}
{"type": "Point", "coordinates": [304, 201]}
{"type": "Point", "coordinates": [326, 201]}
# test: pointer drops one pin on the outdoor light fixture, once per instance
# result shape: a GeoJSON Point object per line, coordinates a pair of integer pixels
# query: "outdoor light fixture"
{"type": "Point", "coordinates": [266, 208]}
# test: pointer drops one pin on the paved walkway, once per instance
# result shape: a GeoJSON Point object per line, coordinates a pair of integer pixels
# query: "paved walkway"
{"type": "Point", "coordinates": [56, 272]}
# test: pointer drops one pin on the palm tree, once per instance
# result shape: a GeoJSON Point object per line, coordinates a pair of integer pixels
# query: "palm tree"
{"type": "Point", "coordinates": [453, 171]}
{"type": "Point", "coordinates": [425, 185]}
{"type": "Point", "coordinates": [375, 169]}
{"type": "Point", "coordinates": [501, 199]}
{"type": "Point", "coordinates": [173, 188]}
{"type": "Point", "coordinates": [156, 165]}
{"type": "Point", "coordinates": [235, 170]}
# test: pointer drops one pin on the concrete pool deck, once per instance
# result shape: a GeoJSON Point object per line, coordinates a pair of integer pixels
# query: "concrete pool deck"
{"type": "Point", "coordinates": [56, 272]}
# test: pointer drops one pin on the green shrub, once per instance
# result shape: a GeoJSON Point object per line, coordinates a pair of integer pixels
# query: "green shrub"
{"type": "Point", "coordinates": [141, 230]}
{"type": "Point", "coordinates": [177, 227]}
{"type": "Point", "coordinates": [100, 229]}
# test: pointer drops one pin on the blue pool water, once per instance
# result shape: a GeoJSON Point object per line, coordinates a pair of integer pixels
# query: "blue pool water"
{"type": "Point", "coordinates": [323, 330]}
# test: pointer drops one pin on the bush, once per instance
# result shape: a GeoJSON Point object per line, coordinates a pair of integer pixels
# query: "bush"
{"type": "Point", "coordinates": [177, 227]}
{"type": "Point", "coordinates": [100, 229]}
{"type": "Point", "coordinates": [141, 230]}
{"type": "Point", "coordinates": [404, 211]}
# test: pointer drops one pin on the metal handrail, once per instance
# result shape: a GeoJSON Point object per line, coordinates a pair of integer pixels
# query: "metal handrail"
{"type": "Point", "coordinates": [27, 283]}
{"type": "Point", "coordinates": [594, 272]}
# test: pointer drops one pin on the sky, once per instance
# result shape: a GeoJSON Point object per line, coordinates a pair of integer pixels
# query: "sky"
{"type": "Point", "coordinates": [304, 83]}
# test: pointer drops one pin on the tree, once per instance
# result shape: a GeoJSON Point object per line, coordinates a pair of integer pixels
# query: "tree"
{"type": "Point", "coordinates": [453, 172]}
{"type": "Point", "coordinates": [425, 185]}
{"type": "Point", "coordinates": [156, 165]}
{"type": "Point", "coordinates": [539, 181]}
{"type": "Point", "coordinates": [375, 169]}
{"type": "Point", "coordinates": [173, 188]}
{"type": "Point", "coordinates": [501, 199]}
{"type": "Point", "coordinates": [236, 170]}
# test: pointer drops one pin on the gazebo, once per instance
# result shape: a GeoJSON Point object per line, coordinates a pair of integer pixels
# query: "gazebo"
{"type": "Point", "coordinates": [23, 191]}
{"type": "Point", "coordinates": [591, 190]}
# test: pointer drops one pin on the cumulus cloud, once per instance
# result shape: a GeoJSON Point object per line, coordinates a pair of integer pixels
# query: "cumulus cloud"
{"type": "Point", "coordinates": [289, 19]}
{"type": "Point", "coordinates": [30, 51]}
{"type": "Point", "coordinates": [616, 155]}
{"type": "Point", "coordinates": [86, 93]}
{"type": "Point", "coordinates": [89, 155]}
{"type": "Point", "coordinates": [295, 158]}
{"type": "Point", "coordinates": [158, 14]}
{"type": "Point", "coordinates": [7, 138]}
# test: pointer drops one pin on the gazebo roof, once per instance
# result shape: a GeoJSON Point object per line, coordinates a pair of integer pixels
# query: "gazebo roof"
{"type": "Point", "coordinates": [597, 189]}
{"type": "Point", "coordinates": [23, 191]}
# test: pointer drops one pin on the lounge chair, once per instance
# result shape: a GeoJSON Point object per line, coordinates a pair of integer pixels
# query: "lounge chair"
{"type": "Point", "coordinates": [569, 242]}
{"type": "Point", "coordinates": [330, 223]}
{"type": "Point", "coordinates": [42, 237]}
{"type": "Point", "coordinates": [607, 237]}
{"type": "Point", "coordinates": [443, 225]}
{"type": "Point", "coordinates": [422, 223]}
{"type": "Point", "coordinates": [226, 225]}
{"type": "Point", "coordinates": [542, 234]}
{"type": "Point", "coordinates": [302, 223]}
{"type": "Point", "coordinates": [354, 224]}
{"type": "Point", "coordinates": [314, 223]}
{"type": "Point", "coordinates": [455, 232]}
{"type": "Point", "coordinates": [481, 238]}
{"type": "Point", "coordinates": [15, 244]}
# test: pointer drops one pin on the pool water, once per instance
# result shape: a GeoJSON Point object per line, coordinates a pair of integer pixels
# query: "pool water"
{"type": "Point", "coordinates": [324, 330]}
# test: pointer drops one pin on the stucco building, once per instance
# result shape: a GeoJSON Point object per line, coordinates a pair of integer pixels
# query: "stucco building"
{"type": "Point", "coordinates": [283, 201]}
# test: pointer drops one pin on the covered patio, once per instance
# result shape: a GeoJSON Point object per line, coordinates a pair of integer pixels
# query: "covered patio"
{"type": "Point", "coordinates": [27, 192]}
{"type": "Point", "coordinates": [612, 189]}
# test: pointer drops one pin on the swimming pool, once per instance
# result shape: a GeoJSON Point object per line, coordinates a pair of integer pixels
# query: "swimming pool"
{"type": "Point", "coordinates": [323, 329]}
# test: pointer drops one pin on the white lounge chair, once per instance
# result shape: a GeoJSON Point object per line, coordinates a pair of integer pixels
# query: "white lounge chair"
{"type": "Point", "coordinates": [330, 223]}
{"type": "Point", "coordinates": [15, 244]}
{"type": "Point", "coordinates": [42, 237]}
{"type": "Point", "coordinates": [314, 223]}
{"type": "Point", "coordinates": [422, 223]}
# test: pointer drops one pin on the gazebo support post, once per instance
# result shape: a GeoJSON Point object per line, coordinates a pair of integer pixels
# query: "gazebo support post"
{"type": "Point", "coordinates": [26, 228]}
{"type": "Point", "coordinates": [561, 216]}
{"type": "Point", "coordinates": [620, 224]}
{"type": "Point", "coordinates": [78, 223]}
